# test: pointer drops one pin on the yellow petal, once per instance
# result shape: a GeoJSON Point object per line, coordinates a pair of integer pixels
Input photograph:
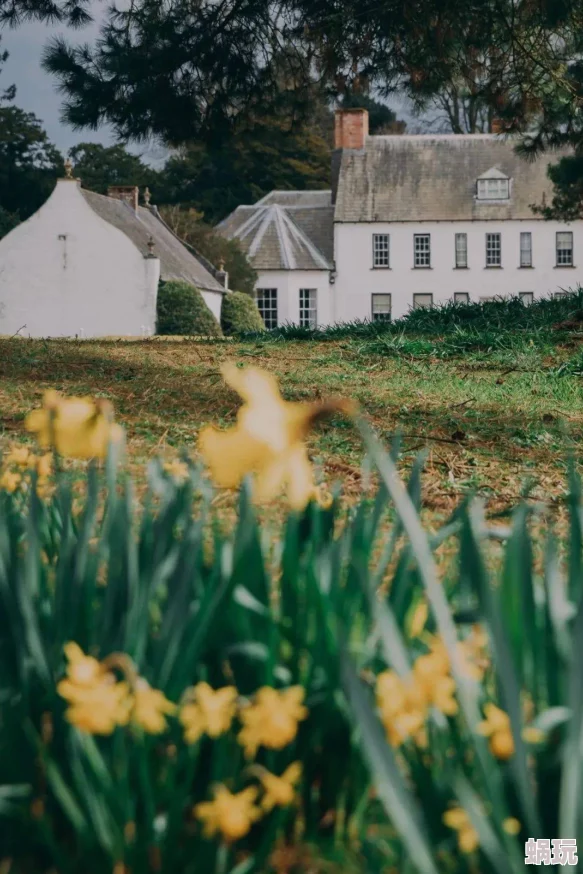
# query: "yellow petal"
{"type": "Point", "coordinates": [300, 478]}
{"type": "Point", "coordinates": [511, 826]}
{"type": "Point", "coordinates": [230, 455]}
{"type": "Point", "coordinates": [533, 735]}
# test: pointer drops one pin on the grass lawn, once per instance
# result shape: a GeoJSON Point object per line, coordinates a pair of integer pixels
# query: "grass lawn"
{"type": "Point", "coordinates": [491, 418]}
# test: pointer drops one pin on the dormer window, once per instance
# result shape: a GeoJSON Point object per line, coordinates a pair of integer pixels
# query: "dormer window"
{"type": "Point", "coordinates": [493, 185]}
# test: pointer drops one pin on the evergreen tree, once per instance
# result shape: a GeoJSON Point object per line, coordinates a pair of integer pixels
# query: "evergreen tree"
{"type": "Point", "coordinates": [99, 166]}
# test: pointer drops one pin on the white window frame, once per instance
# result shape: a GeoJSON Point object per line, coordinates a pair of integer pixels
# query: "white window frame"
{"type": "Point", "coordinates": [525, 250]}
{"type": "Point", "coordinates": [461, 251]}
{"type": "Point", "coordinates": [562, 259]}
{"type": "Point", "coordinates": [422, 251]}
{"type": "Point", "coordinates": [266, 300]}
{"type": "Point", "coordinates": [493, 248]}
{"type": "Point", "coordinates": [419, 306]}
{"type": "Point", "coordinates": [527, 297]}
{"type": "Point", "coordinates": [493, 189]}
{"type": "Point", "coordinates": [461, 297]}
{"type": "Point", "coordinates": [381, 307]}
{"type": "Point", "coordinates": [381, 251]}
{"type": "Point", "coordinates": [308, 307]}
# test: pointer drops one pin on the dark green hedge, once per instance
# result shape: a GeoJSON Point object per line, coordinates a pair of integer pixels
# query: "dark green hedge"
{"type": "Point", "coordinates": [181, 310]}
{"type": "Point", "coordinates": [239, 314]}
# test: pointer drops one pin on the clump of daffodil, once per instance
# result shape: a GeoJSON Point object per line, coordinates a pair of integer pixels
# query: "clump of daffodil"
{"type": "Point", "coordinates": [467, 836]}
{"type": "Point", "coordinates": [10, 480]}
{"type": "Point", "coordinates": [278, 791]}
{"type": "Point", "coordinates": [75, 427]}
{"type": "Point", "coordinates": [207, 711]}
{"type": "Point", "coordinates": [97, 701]}
{"type": "Point", "coordinates": [268, 439]}
{"type": "Point", "coordinates": [402, 708]}
{"type": "Point", "coordinates": [19, 456]}
{"type": "Point", "coordinates": [496, 727]}
{"type": "Point", "coordinates": [272, 719]}
{"type": "Point", "coordinates": [229, 815]}
{"type": "Point", "coordinates": [150, 708]}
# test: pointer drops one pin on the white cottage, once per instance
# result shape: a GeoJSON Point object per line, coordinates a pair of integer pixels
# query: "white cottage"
{"type": "Point", "coordinates": [87, 265]}
{"type": "Point", "coordinates": [410, 221]}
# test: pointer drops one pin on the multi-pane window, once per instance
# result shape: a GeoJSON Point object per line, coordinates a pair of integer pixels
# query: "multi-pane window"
{"type": "Point", "coordinates": [461, 297]}
{"type": "Point", "coordinates": [461, 250]}
{"type": "Point", "coordinates": [493, 250]}
{"type": "Point", "coordinates": [422, 301]}
{"type": "Point", "coordinates": [422, 250]}
{"type": "Point", "coordinates": [564, 249]}
{"type": "Point", "coordinates": [526, 249]}
{"type": "Point", "coordinates": [381, 307]}
{"type": "Point", "coordinates": [527, 297]}
{"type": "Point", "coordinates": [380, 250]}
{"type": "Point", "coordinates": [308, 308]}
{"type": "Point", "coordinates": [267, 305]}
{"type": "Point", "coordinates": [493, 189]}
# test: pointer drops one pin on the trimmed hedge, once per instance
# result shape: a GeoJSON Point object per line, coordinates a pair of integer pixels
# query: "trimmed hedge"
{"type": "Point", "coordinates": [239, 314]}
{"type": "Point", "coordinates": [181, 310]}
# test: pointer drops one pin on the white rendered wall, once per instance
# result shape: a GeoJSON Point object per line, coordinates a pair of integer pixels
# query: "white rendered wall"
{"type": "Point", "coordinates": [288, 284]}
{"type": "Point", "coordinates": [66, 272]}
{"type": "Point", "coordinates": [356, 279]}
{"type": "Point", "coordinates": [214, 301]}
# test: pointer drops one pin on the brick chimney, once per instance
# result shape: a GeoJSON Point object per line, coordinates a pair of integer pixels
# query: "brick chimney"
{"type": "Point", "coordinates": [350, 128]}
{"type": "Point", "coordinates": [127, 193]}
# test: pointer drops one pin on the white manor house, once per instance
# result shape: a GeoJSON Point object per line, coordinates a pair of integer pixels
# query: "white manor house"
{"type": "Point", "coordinates": [410, 221]}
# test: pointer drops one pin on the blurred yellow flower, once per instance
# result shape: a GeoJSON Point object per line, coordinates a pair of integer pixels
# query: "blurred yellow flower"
{"type": "Point", "coordinates": [272, 720]}
{"type": "Point", "coordinates": [532, 735]}
{"type": "Point", "coordinates": [279, 791]}
{"type": "Point", "coordinates": [418, 619]}
{"type": "Point", "coordinates": [467, 836]}
{"type": "Point", "coordinates": [18, 455]}
{"type": "Point", "coordinates": [82, 670]}
{"type": "Point", "coordinates": [44, 465]}
{"type": "Point", "coordinates": [79, 427]}
{"type": "Point", "coordinates": [211, 712]}
{"type": "Point", "coordinates": [99, 709]}
{"type": "Point", "coordinates": [150, 707]}
{"type": "Point", "coordinates": [230, 815]}
{"type": "Point", "coordinates": [268, 439]}
{"type": "Point", "coordinates": [177, 469]}
{"type": "Point", "coordinates": [10, 481]}
{"type": "Point", "coordinates": [511, 826]}
{"type": "Point", "coordinates": [497, 728]}
{"type": "Point", "coordinates": [402, 708]}
{"type": "Point", "coordinates": [437, 686]}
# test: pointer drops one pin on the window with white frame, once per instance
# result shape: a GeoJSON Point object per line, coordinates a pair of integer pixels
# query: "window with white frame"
{"type": "Point", "coordinates": [527, 297]}
{"type": "Point", "coordinates": [526, 249]}
{"type": "Point", "coordinates": [461, 297]}
{"type": "Point", "coordinates": [558, 294]}
{"type": "Point", "coordinates": [461, 250]}
{"type": "Point", "coordinates": [381, 307]}
{"type": "Point", "coordinates": [493, 189]}
{"type": "Point", "coordinates": [266, 299]}
{"type": "Point", "coordinates": [381, 250]}
{"type": "Point", "coordinates": [422, 250]}
{"type": "Point", "coordinates": [493, 250]}
{"type": "Point", "coordinates": [308, 308]}
{"type": "Point", "coordinates": [564, 248]}
{"type": "Point", "coordinates": [422, 301]}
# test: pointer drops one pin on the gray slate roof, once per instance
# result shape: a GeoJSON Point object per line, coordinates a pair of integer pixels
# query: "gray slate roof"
{"type": "Point", "coordinates": [176, 261]}
{"type": "Point", "coordinates": [286, 230]}
{"type": "Point", "coordinates": [433, 178]}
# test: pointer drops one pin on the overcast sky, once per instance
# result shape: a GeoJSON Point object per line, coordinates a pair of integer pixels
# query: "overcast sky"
{"type": "Point", "coordinates": [36, 90]}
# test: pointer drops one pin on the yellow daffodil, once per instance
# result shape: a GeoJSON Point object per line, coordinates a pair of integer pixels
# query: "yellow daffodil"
{"type": "Point", "coordinates": [43, 487]}
{"type": "Point", "coordinates": [511, 826]}
{"type": "Point", "coordinates": [10, 481]}
{"type": "Point", "coordinates": [77, 427]}
{"type": "Point", "coordinates": [402, 708]}
{"type": "Point", "coordinates": [44, 465]}
{"type": "Point", "coordinates": [419, 618]}
{"type": "Point", "coordinates": [100, 709]}
{"type": "Point", "coordinates": [177, 469]}
{"type": "Point", "coordinates": [18, 455]}
{"type": "Point", "coordinates": [82, 670]}
{"type": "Point", "coordinates": [532, 735]}
{"type": "Point", "coordinates": [230, 815]}
{"type": "Point", "coordinates": [150, 707]}
{"type": "Point", "coordinates": [279, 791]}
{"type": "Point", "coordinates": [437, 686]}
{"type": "Point", "coordinates": [467, 836]}
{"type": "Point", "coordinates": [272, 720]}
{"type": "Point", "coordinates": [211, 712]}
{"type": "Point", "coordinates": [497, 728]}
{"type": "Point", "coordinates": [268, 439]}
